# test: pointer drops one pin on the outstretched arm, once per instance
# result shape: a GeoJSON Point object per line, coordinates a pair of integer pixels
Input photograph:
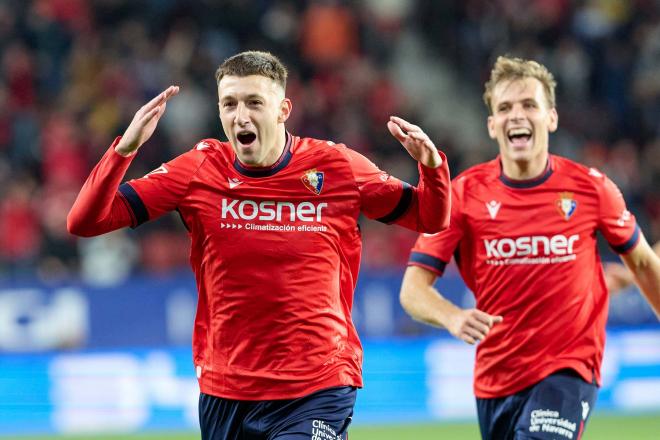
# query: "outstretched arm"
{"type": "Point", "coordinates": [99, 208]}
{"type": "Point", "coordinates": [644, 264]}
{"type": "Point", "coordinates": [425, 304]}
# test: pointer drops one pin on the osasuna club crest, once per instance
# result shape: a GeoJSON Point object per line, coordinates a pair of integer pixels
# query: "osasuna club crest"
{"type": "Point", "coordinates": [313, 181]}
{"type": "Point", "coordinates": [566, 205]}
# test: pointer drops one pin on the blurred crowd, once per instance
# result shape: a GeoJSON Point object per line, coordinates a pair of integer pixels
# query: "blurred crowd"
{"type": "Point", "coordinates": [73, 73]}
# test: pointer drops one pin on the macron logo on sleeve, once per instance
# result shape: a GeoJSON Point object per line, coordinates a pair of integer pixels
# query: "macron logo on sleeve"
{"type": "Point", "coordinates": [202, 146]}
{"type": "Point", "coordinates": [595, 173]}
{"type": "Point", "coordinates": [625, 217]}
{"type": "Point", "coordinates": [160, 170]}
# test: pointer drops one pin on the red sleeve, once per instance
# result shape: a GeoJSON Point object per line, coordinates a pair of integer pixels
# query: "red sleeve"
{"type": "Point", "coordinates": [616, 223]}
{"type": "Point", "coordinates": [162, 189]}
{"type": "Point", "coordinates": [103, 205]}
{"type": "Point", "coordinates": [434, 251]}
{"type": "Point", "coordinates": [424, 208]}
{"type": "Point", "coordinates": [99, 208]}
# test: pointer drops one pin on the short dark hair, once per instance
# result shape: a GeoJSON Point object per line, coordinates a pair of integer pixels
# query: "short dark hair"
{"type": "Point", "coordinates": [253, 62]}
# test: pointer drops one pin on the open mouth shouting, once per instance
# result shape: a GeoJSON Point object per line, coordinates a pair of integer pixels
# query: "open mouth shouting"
{"type": "Point", "coordinates": [246, 138]}
{"type": "Point", "coordinates": [519, 137]}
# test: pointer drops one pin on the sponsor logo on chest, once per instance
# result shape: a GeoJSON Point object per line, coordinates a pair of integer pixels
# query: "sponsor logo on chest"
{"type": "Point", "coordinates": [546, 248]}
{"type": "Point", "coordinates": [276, 215]}
{"type": "Point", "coordinates": [531, 249]}
{"type": "Point", "coordinates": [272, 216]}
{"type": "Point", "coordinates": [269, 210]}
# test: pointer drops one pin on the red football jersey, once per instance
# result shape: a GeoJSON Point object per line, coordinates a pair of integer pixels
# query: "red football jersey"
{"type": "Point", "coordinates": [527, 250]}
{"type": "Point", "coordinates": [275, 252]}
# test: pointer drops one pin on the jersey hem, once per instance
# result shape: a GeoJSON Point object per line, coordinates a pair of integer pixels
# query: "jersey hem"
{"type": "Point", "coordinates": [585, 372]}
{"type": "Point", "coordinates": [272, 395]}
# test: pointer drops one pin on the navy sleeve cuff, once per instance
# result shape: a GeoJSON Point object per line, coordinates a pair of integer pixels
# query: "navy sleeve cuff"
{"type": "Point", "coordinates": [135, 202]}
{"type": "Point", "coordinates": [401, 207]}
{"type": "Point", "coordinates": [425, 260]}
{"type": "Point", "coordinates": [628, 245]}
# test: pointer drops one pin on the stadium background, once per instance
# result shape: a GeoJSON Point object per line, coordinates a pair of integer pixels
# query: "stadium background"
{"type": "Point", "coordinates": [94, 333]}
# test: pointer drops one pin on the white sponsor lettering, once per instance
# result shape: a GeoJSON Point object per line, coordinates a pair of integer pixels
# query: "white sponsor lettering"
{"type": "Point", "coordinates": [546, 420]}
{"type": "Point", "coordinates": [535, 245]}
{"type": "Point", "coordinates": [323, 431]}
{"type": "Point", "coordinates": [276, 228]}
{"type": "Point", "coordinates": [270, 210]}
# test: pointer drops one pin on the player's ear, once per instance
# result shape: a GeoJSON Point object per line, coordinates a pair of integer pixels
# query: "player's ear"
{"type": "Point", "coordinates": [553, 122]}
{"type": "Point", "coordinates": [491, 127]}
{"type": "Point", "coordinates": [285, 110]}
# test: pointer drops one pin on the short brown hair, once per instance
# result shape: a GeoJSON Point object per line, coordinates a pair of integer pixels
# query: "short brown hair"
{"type": "Point", "coordinates": [253, 62]}
{"type": "Point", "coordinates": [511, 69]}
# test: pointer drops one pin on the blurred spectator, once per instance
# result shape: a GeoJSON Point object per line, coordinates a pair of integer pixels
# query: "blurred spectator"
{"type": "Point", "coordinates": [108, 259]}
{"type": "Point", "coordinates": [20, 236]}
{"type": "Point", "coordinates": [328, 34]}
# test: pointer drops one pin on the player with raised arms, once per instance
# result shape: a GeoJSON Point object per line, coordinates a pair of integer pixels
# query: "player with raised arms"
{"type": "Point", "coordinates": [275, 249]}
{"type": "Point", "coordinates": [523, 234]}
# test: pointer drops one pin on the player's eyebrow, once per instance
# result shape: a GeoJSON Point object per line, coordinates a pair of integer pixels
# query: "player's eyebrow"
{"type": "Point", "coordinates": [247, 97]}
{"type": "Point", "coordinates": [528, 99]}
{"type": "Point", "coordinates": [254, 96]}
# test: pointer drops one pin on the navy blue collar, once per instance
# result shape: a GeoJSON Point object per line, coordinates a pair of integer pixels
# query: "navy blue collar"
{"type": "Point", "coordinates": [283, 161]}
{"type": "Point", "coordinates": [528, 183]}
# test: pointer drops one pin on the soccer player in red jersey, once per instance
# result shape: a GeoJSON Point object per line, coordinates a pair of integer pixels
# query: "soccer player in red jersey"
{"type": "Point", "coordinates": [523, 234]}
{"type": "Point", "coordinates": [275, 249]}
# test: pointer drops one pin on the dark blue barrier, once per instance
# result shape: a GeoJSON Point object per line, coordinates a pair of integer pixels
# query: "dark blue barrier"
{"type": "Point", "coordinates": [159, 311]}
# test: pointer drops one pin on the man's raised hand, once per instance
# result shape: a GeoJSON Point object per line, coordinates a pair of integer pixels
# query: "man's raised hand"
{"type": "Point", "coordinates": [415, 141]}
{"type": "Point", "coordinates": [144, 122]}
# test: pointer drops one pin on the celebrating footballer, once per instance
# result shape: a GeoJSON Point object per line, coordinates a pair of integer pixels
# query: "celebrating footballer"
{"type": "Point", "coordinates": [275, 249]}
{"type": "Point", "coordinates": [523, 234]}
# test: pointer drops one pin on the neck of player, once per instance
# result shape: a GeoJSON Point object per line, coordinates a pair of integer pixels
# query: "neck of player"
{"type": "Point", "coordinates": [276, 150]}
{"type": "Point", "coordinates": [524, 169]}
